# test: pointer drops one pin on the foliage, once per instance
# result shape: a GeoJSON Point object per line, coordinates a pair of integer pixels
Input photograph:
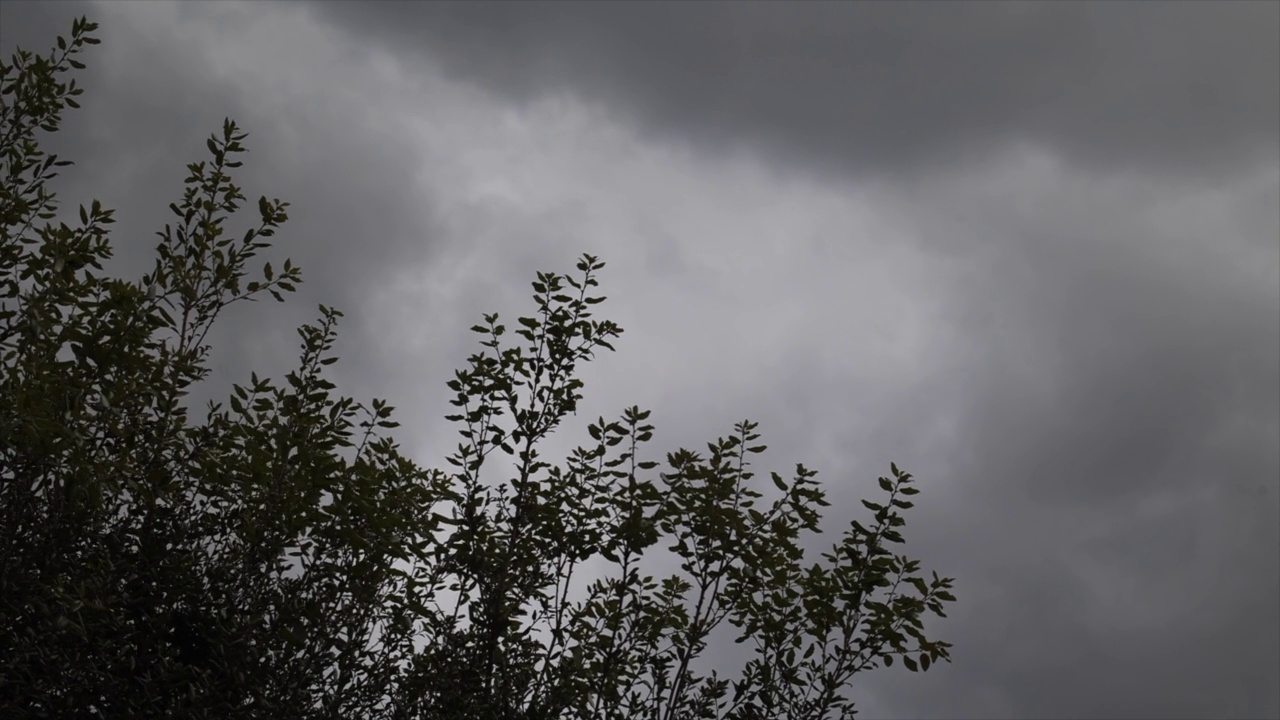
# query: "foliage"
{"type": "Point", "coordinates": [282, 558]}
{"type": "Point", "coordinates": [241, 566]}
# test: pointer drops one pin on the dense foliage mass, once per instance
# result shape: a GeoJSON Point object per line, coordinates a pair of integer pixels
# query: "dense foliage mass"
{"type": "Point", "coordinates": [280, 558]}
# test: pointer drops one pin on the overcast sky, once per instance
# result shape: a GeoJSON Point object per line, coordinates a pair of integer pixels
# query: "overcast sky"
{"type": "Point", "coordinates": [1029, 252]}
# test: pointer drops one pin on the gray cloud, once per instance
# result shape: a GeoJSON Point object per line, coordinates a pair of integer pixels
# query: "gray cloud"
{"type": "Point", "coordinates": [884, 88]}
{"type": "Point", "coordinates": [1115, 493]}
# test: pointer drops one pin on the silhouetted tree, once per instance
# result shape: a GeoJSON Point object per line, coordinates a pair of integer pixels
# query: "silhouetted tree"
{"type": "Point", "coordinates": [281, 558]}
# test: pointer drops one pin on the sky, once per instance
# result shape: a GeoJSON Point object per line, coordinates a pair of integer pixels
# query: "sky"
{"type": "Point", "coordinates": [1028, 252]}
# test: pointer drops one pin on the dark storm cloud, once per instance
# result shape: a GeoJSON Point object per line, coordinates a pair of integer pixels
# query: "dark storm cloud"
{"type": "Point", "coordinates": [878, 87]}
{"type": "Point", "coordinates": [1114, 503]}
{"type": "Point", "coordinates": [1108, 500]}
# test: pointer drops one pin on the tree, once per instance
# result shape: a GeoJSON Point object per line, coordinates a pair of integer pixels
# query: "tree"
{"type": "Point", "coordinates": [282, 558]}
{"type": "Point", "coordinates": [243, 565]}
